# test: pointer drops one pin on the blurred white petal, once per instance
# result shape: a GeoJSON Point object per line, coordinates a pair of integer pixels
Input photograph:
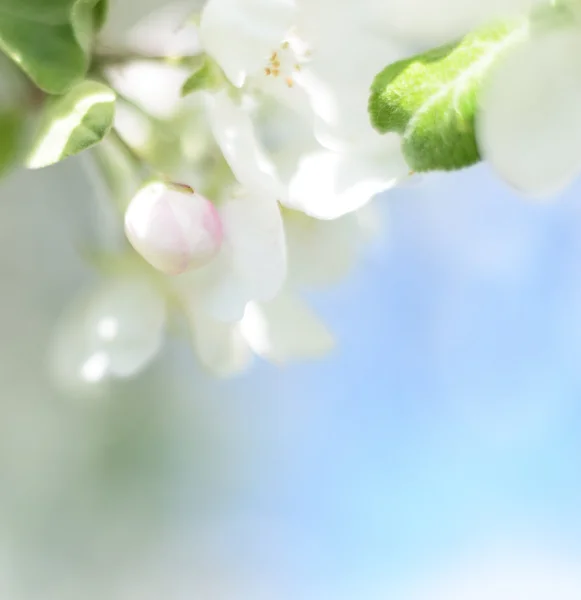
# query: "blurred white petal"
{"type": "Point", "coordinates": [530, 124]}
{"type": "Point", "coordinates": [133, 126]}
{"type": "Point", "coordinates": [285, 330]}
{"type": "Point", "coordinates": [167, 31]}
{"type": "Point", "coordinates": [114, 331]}
{"type": "Point", "coordinates": [430, 22]}
{"type": "Point", "coordinates": [153, 86]}
{"type": "Point", "coordinates": [321, 253]}
{"type": "Point", "coordinates": [234, 133]}
{"type": "Point", "coordinates": [127, 318]}
{"type": "Point", "coordinates": [241, 34]}
{"type": "Point", "coordinates": [254, 229]}
{"type": "Point", "coordinates": [338, 77]}
{"type": "Point", "coordinates": [330, 184]}
{"type": "Point", "coordinates": [219, 346]}
{"type": "Point", "coordinates": [251, 265]}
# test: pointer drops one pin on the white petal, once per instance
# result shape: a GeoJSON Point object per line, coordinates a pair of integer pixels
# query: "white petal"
{"type": "Point", "coordinates": [168, 31]}
{"type": "Point", "coordinates": [255, 232]}
{"type": "Point", "coordinates": [285, 330]}
{"type": "Point", "coordinates": [115, 330]}
{"type": "Point", "coordinates": [155, 87]}
{"type": "Point", "coordinates": [337, 82]}
{"type": "Point", "coordinates": [127, 321]}
{"type": "Point", "coordinates": [330, 184]}
{"type": "Point", "coordinates": [530, 123]}
{"type": "Point", "coordinates": [234, 133]}
{"type": "Point", "coordinates": [76, 362]}
{"type": "Point", "coordinates": [219, 346]}
{"type": "Point", "coordinates": [321, 253]}
{"type": "Point", "coordinates": [251, 264]}
{"type": "Point", "coordinates": [241, 34]}
{"type": "Point", "coordinates": [430, 22]}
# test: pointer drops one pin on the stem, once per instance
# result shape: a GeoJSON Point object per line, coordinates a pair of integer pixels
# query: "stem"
{"type": "Point", "coordinates": [141, 163]}
{"type": "Point", "coordinates": [105, 58]}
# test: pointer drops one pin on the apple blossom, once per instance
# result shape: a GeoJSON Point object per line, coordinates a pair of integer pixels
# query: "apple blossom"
{"type": "Point", "coordinates": [326, 84]}
{"type": "Point", "coordinates": [172, 227]}
{"type": "Point", "coordinates": [530, 123]}
{"type": "Point", "coordinates": [116, 330]}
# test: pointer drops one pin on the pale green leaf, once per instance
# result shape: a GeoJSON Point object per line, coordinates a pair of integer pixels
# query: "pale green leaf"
{"type": "Point", "coordinates": [207, 76]}
{"type": "Point", "coordinates": [100, 13]}
{"type": "Point", "coordinates": [50, 39]}
{"type": "Point", "coordinates": [72, 123]}
{"type": "Point", "coordinates": [431, 99]}
{"type": "Point", "coordinates": [11, 133]}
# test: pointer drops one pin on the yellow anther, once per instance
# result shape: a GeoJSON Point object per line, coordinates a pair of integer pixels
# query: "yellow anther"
{"type": "Point", "coordinates": [276, 72]}
{"type": "Point", "coordinates": [267, 71]}
{"type": "Point", "coordinates": [285, 45]}
{"type": "Point", "coordinates": [290, 82]}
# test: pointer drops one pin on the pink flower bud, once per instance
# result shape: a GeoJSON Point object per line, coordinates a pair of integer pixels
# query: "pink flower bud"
{"type": "Point", "coordinates": [173, 228]}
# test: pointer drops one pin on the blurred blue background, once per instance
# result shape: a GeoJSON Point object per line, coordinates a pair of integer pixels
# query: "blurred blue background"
{"type": "Point", "coordinates": [448, 420]}
{"type": "Point", "coordinates": [445, 426]}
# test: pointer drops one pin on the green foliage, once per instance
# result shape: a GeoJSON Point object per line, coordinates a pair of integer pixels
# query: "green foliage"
{"type": "Point", "coordinates": [11, 133]}
{"type": "Point", "coordinates": [100, 13]}
{"type": "Point", "coordinates": [431, 99]}
{"type": "Point", "coordinates": [50, 39]}
{"type": "Point", "coordinates": [207, 76]}
{"type": "Point", "coordinates": [72, 123]}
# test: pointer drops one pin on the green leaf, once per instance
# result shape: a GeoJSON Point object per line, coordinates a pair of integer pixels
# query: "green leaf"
{"type": "Point", "coordinates": [11, 133]}
{"type": "Point", "coordinates": [50, 39]}
{"type": "Point", "coordinates": [72, 123]}
{"type": "Point", "coordinates": [207, 76]}
{"type": "Point", "coordinates": [100, 13]}
{"type": "Point", "coordinates": [431, 99]}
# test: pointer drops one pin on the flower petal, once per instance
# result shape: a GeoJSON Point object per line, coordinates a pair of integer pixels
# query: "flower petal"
{"type": "Point", "coordinates": [219, 346]}
{"type": "Point", "coordinates": [241, 34]}
{"type": "Point", "coordinates": [251, 264]}
{"type": "Point", "coordinates": [338, 75]}
{"type": "Point", "coordinates": [530, 124]}
{"type": "Point", "coordinates": [430, 22]}
{"type": "Point", "coordinates": [114, 331]}
{"type": "Point", "coordinates": [129, 319]}
{"type": "Point", "coordinates": [285, 330]}
{"type": "Point", "coordinates": [234, 133]}
{"type": "Point", "coordinates": [155, 87]}
{"type": "Point", "coordinates": [321, 253]}
{"type": "Point", "coordinates": [330, 184]}
{"type": "Point", "coordinates": [167, 31]}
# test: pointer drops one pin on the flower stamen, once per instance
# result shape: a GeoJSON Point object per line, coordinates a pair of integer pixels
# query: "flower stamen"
{"type": "Point", "coordinates": [286, 61]}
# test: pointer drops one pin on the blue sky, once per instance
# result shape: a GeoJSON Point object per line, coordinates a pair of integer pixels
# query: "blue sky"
{"type": "Point", "coordinates": [449, 417]}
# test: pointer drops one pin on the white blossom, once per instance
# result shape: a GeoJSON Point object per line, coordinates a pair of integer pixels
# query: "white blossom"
{"type": "Point", "coordinates": [530, 123]}
{"type": "Point", "coordinates": [426, 23]}
{"type": "Point", "coordinates": [241, 34]}
{"type": "Point", "coordinates": [173, 228]}
{"type": "Point", "coordinates": [285, 330]}
{"type": "Point", "coordinates": [115, 330]}
{"type": "Point", "coordinates": [327, 84]}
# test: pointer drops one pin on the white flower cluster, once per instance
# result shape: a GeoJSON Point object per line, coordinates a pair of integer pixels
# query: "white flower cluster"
{"type": "Point", "coordinates": [286, 159]}
{"type": "Point", "coordinates": [269, 165]}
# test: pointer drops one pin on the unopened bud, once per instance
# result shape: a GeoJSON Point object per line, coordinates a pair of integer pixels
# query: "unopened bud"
{"type": "Point", "coordinates": [173, 228]}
